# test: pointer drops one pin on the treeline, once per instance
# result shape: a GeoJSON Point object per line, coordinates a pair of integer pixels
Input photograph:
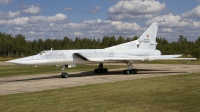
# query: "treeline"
{"type": "Point", "coordinates": [18, 46]}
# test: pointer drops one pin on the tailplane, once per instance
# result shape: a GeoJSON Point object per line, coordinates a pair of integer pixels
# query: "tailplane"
{"type": "Point", "coordinates": [146, 41]}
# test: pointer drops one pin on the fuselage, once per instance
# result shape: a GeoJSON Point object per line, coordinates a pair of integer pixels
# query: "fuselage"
{"type": "Point", "coordinates": [86, 56]}
{"type": "Point", "coordinates": [141, 49]}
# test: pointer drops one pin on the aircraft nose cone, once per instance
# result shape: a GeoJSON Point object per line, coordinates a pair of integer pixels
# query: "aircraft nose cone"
{"type": "Point", "coordinates": [22, 61]}
{"type": "Point", "coordinates": [15, 61]}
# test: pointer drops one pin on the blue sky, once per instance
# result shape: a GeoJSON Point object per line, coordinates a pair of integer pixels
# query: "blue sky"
{"type": "Point", "coordinates": [97, 18]}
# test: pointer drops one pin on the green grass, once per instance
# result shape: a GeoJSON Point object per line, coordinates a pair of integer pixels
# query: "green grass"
{"type": "Point", "coordinates": [172, 93]}
{"type": "Point", "coordinates": [5, 59]}
{"type": "Point", "coordinates": [16, 70]}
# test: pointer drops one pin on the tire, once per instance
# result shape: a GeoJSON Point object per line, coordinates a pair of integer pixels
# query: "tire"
{"type": "Point", "coordinates": [105, 70]}
{"type": "Point", "coordinates": [101, 70]}
{"type": "Point", "coordinates": [98, 71]}
{"type": "Point", "coordinates": [64, 75]}
{"type": "Point", "coordinates": [95, 70]}
{"type": "Point", "coordinates": [127, 72]}
{"type": "Point", "coordinates": [132, 71]}
{"type": "Point", "coordinates": [135, 71]}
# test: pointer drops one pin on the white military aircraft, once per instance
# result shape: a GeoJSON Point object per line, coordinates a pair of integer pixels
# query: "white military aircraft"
{"type": "Point", "coordinates": [144, 48]}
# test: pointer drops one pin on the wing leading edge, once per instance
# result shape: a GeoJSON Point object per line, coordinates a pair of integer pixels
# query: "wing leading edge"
{"type": "Point", "coordinates": [170, 57]}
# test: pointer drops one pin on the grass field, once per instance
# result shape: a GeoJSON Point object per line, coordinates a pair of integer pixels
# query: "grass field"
{"type": "Point", "coordinates": [5, 59]}
{"type": "Point", "coordinates": [172, 93]}
{"type": "Point", "coordinates": [16, 70]}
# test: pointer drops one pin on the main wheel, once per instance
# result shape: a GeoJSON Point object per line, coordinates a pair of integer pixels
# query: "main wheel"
{"type": "Point", "coordinates": [98, 70]}
{"type": "Point", "coordinates": [95, 70]}
{"type": "Point", "coordinates": [101, 70]}
{"type": "Point", "coordinates": [135, 71]}
{"type": "Point", "coordinates": [64, 75]}
{"type": "Point", "coordinates": [127, 72]}
{"type": "Point", "coordinates": [105, 70]}
{"type": "Point", "coordinates": [132, 71]}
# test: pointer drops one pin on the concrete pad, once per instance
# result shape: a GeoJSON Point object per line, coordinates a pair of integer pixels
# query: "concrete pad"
{"type": "Point", "coordinates": [21, 84]}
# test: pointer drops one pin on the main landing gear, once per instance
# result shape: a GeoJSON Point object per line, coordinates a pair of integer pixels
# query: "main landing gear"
{"type": "Point", "coordinates": [64, 74]}
{"type": "Point", "coordinates": [130, 69]}
{"type": "Point", "coordinates": [100, 69]}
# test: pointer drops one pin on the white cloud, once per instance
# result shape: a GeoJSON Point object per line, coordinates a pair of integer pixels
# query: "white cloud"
{"type": "Point", "coordinates": [134, 9]}
{"type": "Point", "coordinates": [169, 26]}
{"type": "Point", "coordinates": [39, 19]}
{"type": "Point", "coordinates": [32, 10]}
{"type": "Point", "coordinates": [90, 28]}
{"type": "Point", "coordinates": [6, 1]}
{"type": "Point", "coordinates": [58, 26]}
{"type": "Point", "coordinates": [68, 9]}
{"type": "Point", "coordinates": [196, 24]}
{"type": "Point", "coordinates": [167, 30]}
{"type": "Point", "coordinates": [16, 21]}
{"type": "Point", "coordinates": [194, 13]}
{"type": "Point", "coordinates": [32, 32]}
{"type": "Point", "coordinates": [26, 21]}
{"type": "Point", "coordinates": [9, 15]}
{"type": "Point", "coordinates": [169, 20]}
{"type": "Point", "coordinates": [94, 10]}
{"type": "Point", "coordinates": [100, 28]}
{"type": "Point", "coordinates": [174, 25]}
{"type": "Point", "coordinates": [78, 34]}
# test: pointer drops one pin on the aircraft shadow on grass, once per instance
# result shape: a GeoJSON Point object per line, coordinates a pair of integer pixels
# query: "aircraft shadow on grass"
{"type": "Point", "coordinates": [91, 73]}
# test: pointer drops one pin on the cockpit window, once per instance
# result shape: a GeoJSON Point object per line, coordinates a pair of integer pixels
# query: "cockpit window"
{"type": "Point", "coordinates": [42, 53]}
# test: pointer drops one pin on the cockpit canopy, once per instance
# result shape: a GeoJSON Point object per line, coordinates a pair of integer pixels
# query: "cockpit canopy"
{"type": "Point", "coordinates": [43, 53]}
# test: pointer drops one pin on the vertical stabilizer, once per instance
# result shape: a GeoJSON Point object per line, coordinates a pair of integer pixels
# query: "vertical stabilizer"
{"type": "Point", "coordinates": [148, 39]}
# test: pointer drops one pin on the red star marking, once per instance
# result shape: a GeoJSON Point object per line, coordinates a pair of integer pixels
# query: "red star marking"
{"type": "Point", "coordinates": [147, 35]}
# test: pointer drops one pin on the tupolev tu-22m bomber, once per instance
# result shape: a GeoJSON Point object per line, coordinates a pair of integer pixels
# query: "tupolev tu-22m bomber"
{"type": "Point", "coordinates": [142, 49]}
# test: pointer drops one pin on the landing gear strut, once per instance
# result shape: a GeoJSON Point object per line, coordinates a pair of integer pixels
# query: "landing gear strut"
{"type": "Point", "coordinates": [100, 69]}
{"type": "Point", "coordinates": [64, 74]}
{"type": "Point", "coordinates": [130, 69]}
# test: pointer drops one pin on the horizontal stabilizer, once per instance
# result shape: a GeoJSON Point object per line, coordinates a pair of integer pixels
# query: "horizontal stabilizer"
{"type": "Point", "coordinates": [159, 58]}
{"type": "Point", "coordinates": [170, 57]}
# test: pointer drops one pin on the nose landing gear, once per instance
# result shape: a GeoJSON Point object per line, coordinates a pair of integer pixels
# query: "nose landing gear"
{"type": "Point", "coordinates": [64, 74]}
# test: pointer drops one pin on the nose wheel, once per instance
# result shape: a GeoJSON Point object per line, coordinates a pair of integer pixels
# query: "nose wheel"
{"type": "Point", "coordinates": [64, 74]}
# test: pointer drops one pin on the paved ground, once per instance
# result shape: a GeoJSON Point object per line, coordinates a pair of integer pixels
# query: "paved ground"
{"type": "Point", "coordinates": [23, 84]}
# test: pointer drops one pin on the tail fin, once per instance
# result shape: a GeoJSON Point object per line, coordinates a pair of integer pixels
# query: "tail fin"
{"type": "Point", "coordinates": [146, 41]}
